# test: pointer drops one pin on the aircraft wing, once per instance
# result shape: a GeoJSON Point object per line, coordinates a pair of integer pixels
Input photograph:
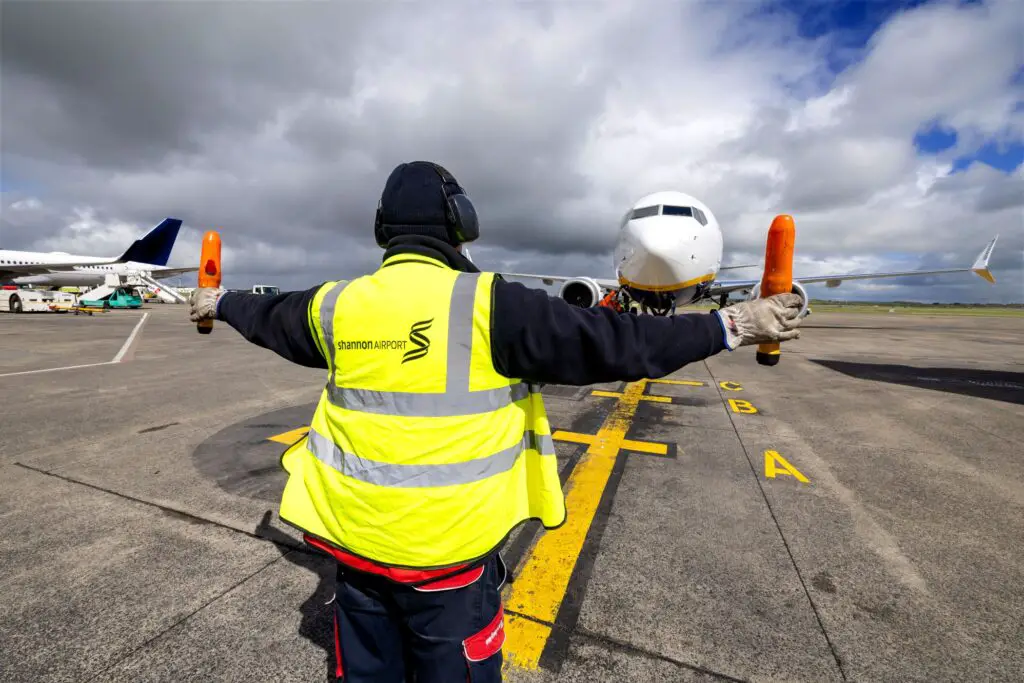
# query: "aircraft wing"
{"type": "Point", "coordinates": [979, 267]}
{"type": "Point", "coordinates": [552, 279]}
{"type": "Point", "coordinates": [604, 283]}
{"type": "Point", "coordinates": [171, 272]}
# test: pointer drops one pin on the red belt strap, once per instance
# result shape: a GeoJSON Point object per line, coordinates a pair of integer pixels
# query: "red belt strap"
{"type": "Point", "coordinates": [451, 576]}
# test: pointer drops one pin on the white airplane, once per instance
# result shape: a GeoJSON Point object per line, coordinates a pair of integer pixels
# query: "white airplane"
{"type": "Point", "coordinates": [146, 256]}
{"type": "Point", "coordinates": [669, 253]}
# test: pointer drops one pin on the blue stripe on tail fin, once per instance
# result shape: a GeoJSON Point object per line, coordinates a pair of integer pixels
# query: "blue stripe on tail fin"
{"type": "Point", "coordinates": [155, 246]}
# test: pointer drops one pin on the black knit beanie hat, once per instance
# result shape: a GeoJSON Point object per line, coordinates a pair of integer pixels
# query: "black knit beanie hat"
{"type": "Point", "coordinates": [413, 203]}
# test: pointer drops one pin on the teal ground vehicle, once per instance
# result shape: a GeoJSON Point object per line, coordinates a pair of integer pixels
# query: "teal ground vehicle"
{"type": "Point", "coordinates": [122, 297]}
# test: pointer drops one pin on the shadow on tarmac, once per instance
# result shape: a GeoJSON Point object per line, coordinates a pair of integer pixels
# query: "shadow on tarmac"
{"type": "Point", "coordinates": [317, 625]}
{"type": "Point", "coordinates": [996, 385]}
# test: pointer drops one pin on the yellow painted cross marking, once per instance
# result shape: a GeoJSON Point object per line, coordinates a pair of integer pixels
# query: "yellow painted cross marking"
{"type": "Point", "coordinates": [771, 458]}
{"type": "Point", "coordinates": [650, 397]}
{"type": "Point", "coordinates": [731, 386]}
{"type": "Point", "coordinates": [680, 382]}
{"type": "Point", "coordinates": [540, 585]}
{"type": "Point", "coordinates": [290, 437]}
{"type": "Point", "coordinates": [627, 444]}
{"type": "Point", "coordinates": [740, 406]}
{"type": "Point", "coordinates": [645, 397]}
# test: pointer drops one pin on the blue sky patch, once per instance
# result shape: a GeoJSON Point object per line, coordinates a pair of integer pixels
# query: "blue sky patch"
{"type": "Point", "coordinates": [847, 27]}
{"type": "Point", "coordinates": [933, 138]}
{"type": "Point", "coordinates": [1004, 157]}
{"type": "Point", "coordinates": [847, 24]}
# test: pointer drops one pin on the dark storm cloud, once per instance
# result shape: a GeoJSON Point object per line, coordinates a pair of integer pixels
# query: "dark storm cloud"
{"type": "Point", "coordinates": [121, 85]}
{"type": "Point", "coordinates": [1004, 193]}
{"type": "Point", "coordinates": [988, 190]}
{"type": "Point", "coordinates": [241, 115]}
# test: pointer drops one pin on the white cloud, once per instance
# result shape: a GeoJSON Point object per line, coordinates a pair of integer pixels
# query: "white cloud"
{"type": "Point", "coordinates": [29, 204]}
{"type": "Point", "coordinates": [943, 61]}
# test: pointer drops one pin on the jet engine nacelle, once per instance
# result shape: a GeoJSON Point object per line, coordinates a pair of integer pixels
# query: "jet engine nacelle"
{"type": "Point", "coordinates": [583, 292]}
{"type": "Point", "coordinates": [798, 288]}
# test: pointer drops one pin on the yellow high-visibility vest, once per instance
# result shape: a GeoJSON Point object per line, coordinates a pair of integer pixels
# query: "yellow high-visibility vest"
{"type": "Point", "coordinates": [419, 454]}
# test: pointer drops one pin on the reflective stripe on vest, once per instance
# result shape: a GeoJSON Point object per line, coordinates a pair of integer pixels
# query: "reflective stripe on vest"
{"type": "Point", "coordinates": [456, 400]}
{"type": "Point", "coordinates": [389, 474]}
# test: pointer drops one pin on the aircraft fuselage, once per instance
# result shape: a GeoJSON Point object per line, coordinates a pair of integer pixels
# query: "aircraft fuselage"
{"type": "Point", "coordinates": [80, 276]}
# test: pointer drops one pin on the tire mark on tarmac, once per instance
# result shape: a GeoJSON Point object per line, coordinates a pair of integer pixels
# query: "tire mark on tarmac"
{"type": "Point", "coordinates": [778, 527]}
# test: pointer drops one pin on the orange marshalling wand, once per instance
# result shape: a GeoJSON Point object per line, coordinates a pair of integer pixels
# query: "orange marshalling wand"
{"type": "Point", "coordinates": [209, 271]}
{"type": "Point", "coordinates": [778, 274]}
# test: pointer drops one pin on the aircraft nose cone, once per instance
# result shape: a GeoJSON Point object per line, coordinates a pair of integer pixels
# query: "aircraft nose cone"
{"type": "Point", "coordinates": [666, 256]}
{"type": "Point", "coordinates": [667, 247]}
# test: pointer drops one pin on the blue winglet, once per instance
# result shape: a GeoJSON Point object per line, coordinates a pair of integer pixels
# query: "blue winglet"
{"type": "Point", "coordinates": [155, 246]}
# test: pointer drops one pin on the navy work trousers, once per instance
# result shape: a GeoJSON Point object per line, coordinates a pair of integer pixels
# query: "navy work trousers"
{"type": "Point", "coordinates": [386, 632]}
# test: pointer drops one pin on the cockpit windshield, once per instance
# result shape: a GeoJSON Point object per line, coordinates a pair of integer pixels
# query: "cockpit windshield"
{"type": "Point", "coordinates": [645, 212]}
{"type": "Point", "coordinates": [687, 211]}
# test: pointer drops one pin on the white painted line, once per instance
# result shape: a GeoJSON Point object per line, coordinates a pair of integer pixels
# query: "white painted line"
{"type": "Point", "coordinates": [117, 359]}
{"type": "Point", "coordinates": [131, 338]}
{"type": "Point", "coordinates": [66, 367]}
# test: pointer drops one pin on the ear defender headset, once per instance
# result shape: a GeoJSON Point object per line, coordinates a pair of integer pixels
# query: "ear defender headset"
{"type": "Point", "coordinates": [461, 221]}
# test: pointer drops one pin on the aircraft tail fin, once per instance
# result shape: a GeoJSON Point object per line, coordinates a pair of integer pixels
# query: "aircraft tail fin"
{"type": "Point", "coordinates": [980, 267]}
{"type": "Point", "coordinates": [155, 246]}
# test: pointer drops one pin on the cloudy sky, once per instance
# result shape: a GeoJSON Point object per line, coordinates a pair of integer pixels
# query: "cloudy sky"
{"type": "Point", "coordinates": [893, 132]}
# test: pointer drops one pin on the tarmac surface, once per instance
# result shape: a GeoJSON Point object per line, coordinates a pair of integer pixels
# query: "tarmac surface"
{"type": "Point", "coordinates": [852, 514]}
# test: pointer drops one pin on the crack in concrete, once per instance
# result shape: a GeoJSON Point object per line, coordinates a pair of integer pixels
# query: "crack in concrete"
{"type": "Point", "coordinates": [179, 622]}
{"type": "Point", "coordinates": [188, 518]}
{"type": "Point", "coordinates": [173, 512]}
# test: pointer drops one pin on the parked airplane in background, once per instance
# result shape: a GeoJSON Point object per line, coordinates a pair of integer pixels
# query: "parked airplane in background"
{"type": "Point", "coordinates": [669, 253]}
{"type": "Point", "coordinates": [147, 256]}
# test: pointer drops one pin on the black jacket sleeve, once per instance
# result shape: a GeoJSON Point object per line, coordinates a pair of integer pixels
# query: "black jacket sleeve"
{"type": "Point", "coordinates": [279, 323]}
{"type": "Point", "coordinates": [540, 338]}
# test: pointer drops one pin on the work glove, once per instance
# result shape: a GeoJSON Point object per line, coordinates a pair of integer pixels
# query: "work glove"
{"type": "Point", "coordinates": [760, 321]}
{"type": "Point", "coordinates": [202, 303]}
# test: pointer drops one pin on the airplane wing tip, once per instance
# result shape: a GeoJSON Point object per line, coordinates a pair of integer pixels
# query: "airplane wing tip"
{"type": "Point", "coordinates": [985, 274]}
{"type": "Point", "coordinates": [980, 267]}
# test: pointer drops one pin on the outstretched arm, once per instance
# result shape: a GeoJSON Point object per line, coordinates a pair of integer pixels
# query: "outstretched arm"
{"type": "Point", "coordinates": [279, 323]}
{"type": "Point", "coordinates": [540, 338]}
